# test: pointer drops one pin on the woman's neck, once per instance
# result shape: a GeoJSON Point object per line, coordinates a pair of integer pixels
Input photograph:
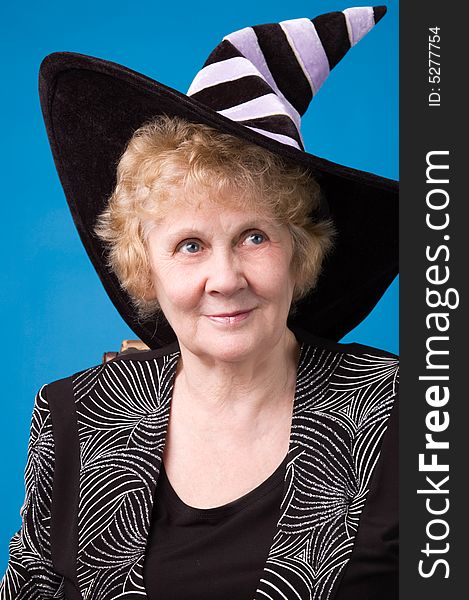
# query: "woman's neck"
{"type": "Point", "coordinates": [238, 389]}
{"type": "Point", "coordinates": [230, 425]}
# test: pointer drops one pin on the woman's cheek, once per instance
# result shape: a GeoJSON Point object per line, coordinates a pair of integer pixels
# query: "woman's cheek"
{"type": "Point", "coordinates": [187, 284]}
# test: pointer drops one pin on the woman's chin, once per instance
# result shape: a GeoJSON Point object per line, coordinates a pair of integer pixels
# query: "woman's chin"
{"type": "Point", "coordinates": [231, 340]}
{"type": "Point", "coordinates": [231, 350]}
{"type": "Point", "coordinates": [230, 345]}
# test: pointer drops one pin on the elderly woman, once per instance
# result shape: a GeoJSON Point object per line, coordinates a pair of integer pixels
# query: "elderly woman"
{"type": "Point", "coordinates": [246, 458]}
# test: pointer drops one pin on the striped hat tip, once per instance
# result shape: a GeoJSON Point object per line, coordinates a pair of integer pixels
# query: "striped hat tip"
{"type": "Point", "coordinates": [379, 12]}
{"type": "Point", "coordinates": [360, 20]}
{"type": "Point", "coordinates": [265, 76]}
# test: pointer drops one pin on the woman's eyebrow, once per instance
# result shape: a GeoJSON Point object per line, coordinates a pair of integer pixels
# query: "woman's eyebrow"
{"type": "Point", "coordinates": [185, 232]}
{"type": "Point", "coordinates": [196, 232]}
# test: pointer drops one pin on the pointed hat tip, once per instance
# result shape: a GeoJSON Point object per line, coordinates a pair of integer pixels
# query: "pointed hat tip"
{"type": "Point", "coordinates": [379, 12]}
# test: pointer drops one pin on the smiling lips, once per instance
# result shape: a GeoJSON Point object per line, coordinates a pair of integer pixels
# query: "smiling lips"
{"type": "Point", "coordinates": [230, 318]}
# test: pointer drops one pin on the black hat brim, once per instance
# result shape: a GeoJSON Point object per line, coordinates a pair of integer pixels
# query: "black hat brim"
{"type": "Point", "coordinates": [91, 108]}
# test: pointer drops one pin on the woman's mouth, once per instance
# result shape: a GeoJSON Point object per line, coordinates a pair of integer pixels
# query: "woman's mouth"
{"type": "Point", "coordinates": [230, 318]}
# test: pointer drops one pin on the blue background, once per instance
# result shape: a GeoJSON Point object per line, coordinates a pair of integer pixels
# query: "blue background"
{"type": "Point", "coordinates": [56, 317]}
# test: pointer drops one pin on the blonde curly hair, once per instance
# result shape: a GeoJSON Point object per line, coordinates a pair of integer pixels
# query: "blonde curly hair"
{"type": "Point", "coordinates": [170, 153]}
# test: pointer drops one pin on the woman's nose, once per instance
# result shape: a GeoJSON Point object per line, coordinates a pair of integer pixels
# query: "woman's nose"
{"type": "Point", "coordinates": [225, 273]}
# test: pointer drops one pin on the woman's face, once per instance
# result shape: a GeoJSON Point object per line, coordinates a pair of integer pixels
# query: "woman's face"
{"type": "Point", "coordinates": [223, 279]}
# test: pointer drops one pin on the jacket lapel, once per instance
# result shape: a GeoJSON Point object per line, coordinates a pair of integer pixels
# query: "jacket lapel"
{"type": "Point", "coordinates": [342, 404]}
{"type": "Point", "coordinates": [123, 412]}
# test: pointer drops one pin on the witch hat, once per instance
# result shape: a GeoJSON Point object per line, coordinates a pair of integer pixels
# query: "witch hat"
{"type": "Point", "coordinates": [256, 84]}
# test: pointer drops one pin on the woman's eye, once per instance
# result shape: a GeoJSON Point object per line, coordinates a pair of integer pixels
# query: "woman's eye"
{"type": "Point", "coordinates": [189, 247]}
{"type": "Point", "coordinates": [256, 238]}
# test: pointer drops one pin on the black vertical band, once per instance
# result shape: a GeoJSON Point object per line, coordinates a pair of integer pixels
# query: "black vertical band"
{"type": "Point", "coordinates": [433, 307]}
{"type": "Point", "coordinates": [65, 494]}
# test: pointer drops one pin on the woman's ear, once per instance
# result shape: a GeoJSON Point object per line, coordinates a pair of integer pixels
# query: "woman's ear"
{"type": "Point", "coordinates": [149, 295]}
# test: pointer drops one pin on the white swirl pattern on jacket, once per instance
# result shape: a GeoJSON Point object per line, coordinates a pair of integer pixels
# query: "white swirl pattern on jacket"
{"type": "Point", "coordinates": [341, 410]}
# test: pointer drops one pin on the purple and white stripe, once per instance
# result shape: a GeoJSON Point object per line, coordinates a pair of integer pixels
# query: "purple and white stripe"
{"type": "Point", "coordinates": [265, 106]}
{"type": "Point", "coordinates": [359, 22]}
{"type": "Point", "coordinates": [231, 69]}
{"type": "Point", "coordinates": [283, 139]}
{"type": "Point", "coordinates": [245, 40]}
{"type": "Point", "coordinates": [305, 43]}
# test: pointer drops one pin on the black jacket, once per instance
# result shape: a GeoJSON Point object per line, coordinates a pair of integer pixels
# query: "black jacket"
{"type": "Point", "coordinates": [95, 451]}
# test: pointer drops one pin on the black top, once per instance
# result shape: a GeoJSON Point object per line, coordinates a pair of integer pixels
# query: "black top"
{"type": "Point", "coordinates": [211, 553]}
{"type": "Point", "coordinates": [221, 552]}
